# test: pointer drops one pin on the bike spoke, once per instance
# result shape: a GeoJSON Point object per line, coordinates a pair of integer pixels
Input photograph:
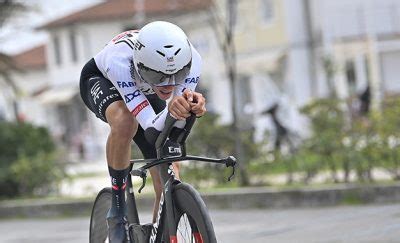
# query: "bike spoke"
{"type": "Point", "coordinates": [184, 231]}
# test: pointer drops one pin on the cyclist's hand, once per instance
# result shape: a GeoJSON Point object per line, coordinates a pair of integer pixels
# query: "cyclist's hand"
{"type": "Point", "coordinates": [198, 105]}
{"type": "Point", "coordinates": [179, 108]}
{"type": "Point", "coordinates": [188, 95]}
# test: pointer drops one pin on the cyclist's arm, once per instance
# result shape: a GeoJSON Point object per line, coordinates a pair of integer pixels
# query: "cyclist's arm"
{"type": "Point", "coordinates": [197, 101]}
{"type": "Point", "coordinates": [193, 77]}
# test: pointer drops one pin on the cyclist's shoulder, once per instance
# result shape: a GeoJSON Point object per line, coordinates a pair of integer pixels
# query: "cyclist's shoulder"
{"type": "Point", "coordinates": [118, 50]}
{"type": "Point", "coordinates": [129, 34]}
{"type": "Point", "coordinates": [196, 63]}
{"type": "Point", "coordinates": [122, 43]}
{"type": "Point", "coordinates": [196, 57]}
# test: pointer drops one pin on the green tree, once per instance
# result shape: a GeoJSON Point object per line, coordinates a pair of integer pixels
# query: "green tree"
{"type": "Point", "coordinates": [8, 8]}
{"type": "Point", "coordinates": [327, 119]}
{"type": "Point", "coordinates": [388, 130]}
{"type": "Point", "coordinates": [208, 138]}
{"type": "Point", "coordinates": [27, 162]}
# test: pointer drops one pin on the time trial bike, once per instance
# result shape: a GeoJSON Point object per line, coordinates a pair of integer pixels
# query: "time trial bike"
{"type": "Point", "coordinates": [182, 216]}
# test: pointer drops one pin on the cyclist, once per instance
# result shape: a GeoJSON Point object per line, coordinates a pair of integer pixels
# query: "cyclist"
{"type": "Point", "coordinates": [127, 85]}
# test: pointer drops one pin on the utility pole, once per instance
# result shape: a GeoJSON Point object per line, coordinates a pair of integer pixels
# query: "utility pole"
{"type": "Point", "coordinates": [310, 46]}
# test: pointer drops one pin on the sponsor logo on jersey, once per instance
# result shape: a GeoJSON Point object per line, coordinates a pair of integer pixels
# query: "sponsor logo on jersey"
{"type": "Point", "coordinates": [140, 107]}
{"type": "Point", "coordinates": [124, 35]}
{"type": "Point", "coordinates": [107, 98]}
{"type": "Point", "coordinates": [123, 84]}
{"type": "Point", "coordinates": [192, 80]}
{"type": "Point", "coordinates": [95, 91]}
{"type": "Point", "coordinates": [138, 45]}
{"type": "Point", "coordinates": [157, 117]}
{"type": "Point", "coordinates": [131, 96]}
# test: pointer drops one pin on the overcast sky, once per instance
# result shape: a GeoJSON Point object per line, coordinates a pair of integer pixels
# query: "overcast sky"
{"type": "Point", "coordinates": [18, 34]}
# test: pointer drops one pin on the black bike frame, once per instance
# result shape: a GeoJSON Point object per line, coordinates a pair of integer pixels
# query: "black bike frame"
{"type": "Point", "coordinates": [133, 216]}
{"type": "Point", "coordinates": [168, 179]}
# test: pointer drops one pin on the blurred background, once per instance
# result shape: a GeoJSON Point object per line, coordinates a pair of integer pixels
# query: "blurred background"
{"type": "Point", "coordinates": [303, 92]}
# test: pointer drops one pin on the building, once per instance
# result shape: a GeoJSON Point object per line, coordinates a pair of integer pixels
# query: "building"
{"type": "Point", "coordinates": [293, 51]}
{"type": "Point", "coordinates": [73, 40]}
{"type": "Point", "coordinates": [282, 51]}
{"type": "Point", "coordinates": [362, 38]}
{"type": "Point", "coordinates": [31, 80]}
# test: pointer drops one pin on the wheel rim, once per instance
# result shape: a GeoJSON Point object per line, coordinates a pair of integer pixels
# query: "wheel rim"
{"type": "Point", "coordinates": [99, 229]}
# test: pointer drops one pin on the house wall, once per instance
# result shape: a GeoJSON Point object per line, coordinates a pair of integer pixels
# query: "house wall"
{"type": "Point", "coordinates": [30, 108]}
{"type": "Point", "coordinates": [366, 33]}
{"type": "Point", "coordinates": [274, 56]}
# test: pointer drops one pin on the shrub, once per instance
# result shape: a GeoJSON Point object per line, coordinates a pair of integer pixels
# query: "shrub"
{"type": "Point", "coordinates": [27, 162]}
{"type": "Point", "coordinates": [208, 138]}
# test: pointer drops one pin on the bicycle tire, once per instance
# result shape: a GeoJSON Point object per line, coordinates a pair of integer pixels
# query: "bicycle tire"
{"type": "Point", "coordinates": [190, 207]}
{"type": "Point", "coordinates": [98, 224]}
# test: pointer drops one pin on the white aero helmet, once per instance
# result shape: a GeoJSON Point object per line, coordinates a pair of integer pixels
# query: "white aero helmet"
{"type": "Point", "coordinates": [162, 54]}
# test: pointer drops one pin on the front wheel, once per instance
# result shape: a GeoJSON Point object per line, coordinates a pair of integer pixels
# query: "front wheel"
{"type": "Point", "coordinates": [98, 223]}
{"type": "Point", "coordinates": [192, 219]}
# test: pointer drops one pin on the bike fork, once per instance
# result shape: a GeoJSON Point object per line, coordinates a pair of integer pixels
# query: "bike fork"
{"type": "Point", "coordinates": [170, 211]}
{"type": "Point", "coordinates": [165, 222]}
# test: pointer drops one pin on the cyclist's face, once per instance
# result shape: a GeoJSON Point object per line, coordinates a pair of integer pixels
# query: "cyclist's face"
{"type": "Point", "coordinates": [164, 92]}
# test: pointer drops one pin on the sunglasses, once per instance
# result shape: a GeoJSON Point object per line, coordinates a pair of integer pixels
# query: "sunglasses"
{"type": "Point", "coordinates": [158, 78]}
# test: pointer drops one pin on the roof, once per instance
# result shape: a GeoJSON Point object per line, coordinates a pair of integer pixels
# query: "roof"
{"type": "Point", "coordinates": [34, 58]}
{"type": "Point", "coordinates": [114, 9]}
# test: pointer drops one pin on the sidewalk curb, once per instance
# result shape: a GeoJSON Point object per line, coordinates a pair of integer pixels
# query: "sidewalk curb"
{"type": "Point", "coordinates": [243, 198]}
{"type": "Point", "coordinates": [333, 196]}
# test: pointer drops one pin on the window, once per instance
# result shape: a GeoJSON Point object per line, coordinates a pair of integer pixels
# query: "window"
{"type": "Point", "coordinates": [267, 10]}
{"type": "Point", "coordinates": [57, 50]}
{"type": "Point", "coordinates": [72, 41]}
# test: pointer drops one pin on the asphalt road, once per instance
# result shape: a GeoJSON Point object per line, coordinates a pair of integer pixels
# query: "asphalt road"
{"type": "Point", "coordinates": [337, 224]}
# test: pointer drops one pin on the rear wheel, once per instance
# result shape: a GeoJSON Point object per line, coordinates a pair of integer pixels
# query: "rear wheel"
{"type": "Point", "coordinates": [98, 224]}
{"type": "Point", "coordinates": [192, 219]}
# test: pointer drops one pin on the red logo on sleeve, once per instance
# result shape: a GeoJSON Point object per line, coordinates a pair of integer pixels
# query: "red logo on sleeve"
{"type": "Point", "coordinates": [140, 107]}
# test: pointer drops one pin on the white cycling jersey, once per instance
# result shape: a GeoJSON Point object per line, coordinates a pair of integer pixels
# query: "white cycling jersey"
{"type": "Point", "coordinates": [115, 62]}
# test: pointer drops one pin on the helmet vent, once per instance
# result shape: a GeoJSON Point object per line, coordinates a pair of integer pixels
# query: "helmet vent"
{"type": "Point", "coordinates": [177, 51]}
{"type": "Point", "coordinates": [168, 46]}
{"type": "Point", "coordinates": [162, 54]}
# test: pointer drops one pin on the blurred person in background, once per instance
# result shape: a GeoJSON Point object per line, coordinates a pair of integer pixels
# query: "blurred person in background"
{"type": "Point", "coordinates": [132, 84]}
